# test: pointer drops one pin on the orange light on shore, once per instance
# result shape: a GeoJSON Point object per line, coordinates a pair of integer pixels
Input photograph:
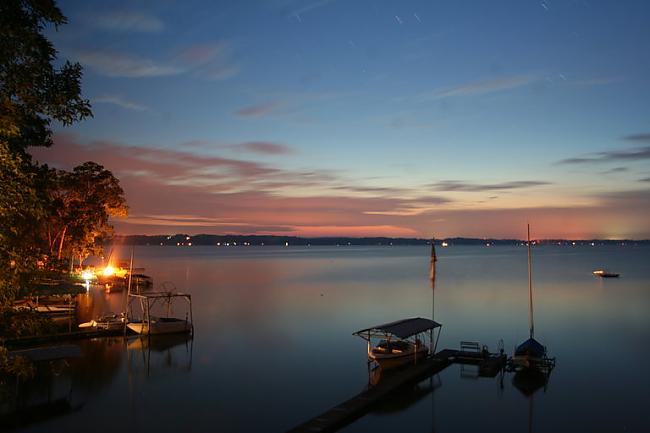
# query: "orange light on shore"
{"type": "Point", "coordinates": [87, 275]}
{"type": "Point", "coordinates": [108, 271]}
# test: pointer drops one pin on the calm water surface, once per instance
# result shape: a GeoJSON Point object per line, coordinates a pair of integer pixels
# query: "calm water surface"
{"type": "Point", "coordinates": [273, 343]}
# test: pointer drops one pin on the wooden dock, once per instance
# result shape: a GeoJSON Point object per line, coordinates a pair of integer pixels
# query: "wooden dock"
{"type": "Point", "coordinates": [65, 336]}
{"type": "Point", "coordinates": [345, 413]}
{"type": "Point", "coordinates": [489, 365]}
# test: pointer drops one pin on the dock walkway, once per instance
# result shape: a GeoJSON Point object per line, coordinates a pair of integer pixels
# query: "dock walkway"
{"type": "Point", "coordinates": [56, 338]}
{"type": "Point", "coordinates": [344, 413]}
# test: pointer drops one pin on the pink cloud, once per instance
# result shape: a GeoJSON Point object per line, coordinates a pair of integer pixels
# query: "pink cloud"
{"type": "Point", "coordinates": [171, 191]}
{"type": "Point", "coordinates": [263, 147]}
{"type": "Point", "coordinates": [202, 53]}
{"type": "Point", "coordinates": [257, 110]}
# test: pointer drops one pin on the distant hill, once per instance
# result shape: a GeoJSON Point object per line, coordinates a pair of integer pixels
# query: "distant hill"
{"type": "Point", "coordinates": [245, 240]}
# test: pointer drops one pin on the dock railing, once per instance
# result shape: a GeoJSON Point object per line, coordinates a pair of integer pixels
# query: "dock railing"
{"type": "Point", "coordinates": [470, 346]}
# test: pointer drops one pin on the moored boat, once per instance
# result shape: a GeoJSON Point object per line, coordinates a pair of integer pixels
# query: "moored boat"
{"type": "Point", "coordinates": [605, 274]}
{"type": "Point", "coordinates": [399, 341]}
{"type": "Point", "coordinates": [109, 321]}
{"type": "Point", "coordinates": [153, 324]}
{"type": "Point", "coordinates": [160, 325]}
{"type": "Point", "coordinates": [531, 353]}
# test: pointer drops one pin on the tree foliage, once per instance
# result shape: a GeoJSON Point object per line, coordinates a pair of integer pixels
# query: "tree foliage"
{"type": "Point", "coordinates": [80, 204]}
{"type": "Point", "coordinates": [45, 214]}
{"type": "Point", "coordinates": [33, 92]}
{"type": "Point", "coordinates": [20, 213]}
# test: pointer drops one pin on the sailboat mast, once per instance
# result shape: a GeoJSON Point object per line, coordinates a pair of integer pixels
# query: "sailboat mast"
{"type": "Point", "coordinates": [530, 289]}
{"type": "Point", "coordinates": [432, 277]}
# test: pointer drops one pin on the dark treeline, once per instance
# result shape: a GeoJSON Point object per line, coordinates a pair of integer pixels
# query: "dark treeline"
{"type": "Point", "coordinates": [243, 240]}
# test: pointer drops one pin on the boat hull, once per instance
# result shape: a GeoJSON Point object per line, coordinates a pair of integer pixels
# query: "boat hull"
{"type": "Point", "coordinates": [160, 326]}
{"type": "Point", "coordinates": [392, 360]}
{"type": "Point", "coordinates": [526, 362]}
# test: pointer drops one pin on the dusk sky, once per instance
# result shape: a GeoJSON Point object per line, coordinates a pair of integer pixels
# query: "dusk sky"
{"type": "Point", "coordinates": [366, 117]}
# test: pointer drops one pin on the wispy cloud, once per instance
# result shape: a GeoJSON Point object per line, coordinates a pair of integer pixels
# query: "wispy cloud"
{"type": "Point", "coordinates": [645, 179]}
{"type": "Point", "coordinates": [113, 64]}
{"type": "Point", "coordinates": [220, 72]}
{"type": "Point", "coordinates": [210, 60]}
{"type": "Point", "coordinates": [486, 86]}
{"type": "Point", "coordinates": [257, 110]}
{"type": "Point", "coordinates": [642, 138]}
{"type": "Point", "coordinates": [455, 185]}
{"type": "Point", "coordinates": [616, 170]}
{"type": "Point", "coordinates": [610, 156]}
{"type": "Point", "coordinates": [260, 147]}
{"type": "Point", "coordinates": [599, 81]}
{"type": "Point", "coordinates": [207, 60]}
{"type": "Point", "coordinates": [301, 7]}
{"type": "Point", "coordinates": [120, 102]}
{"type": "Point", "coordinates": [128, 21]}
{"type": "Point", "coordinates": [200, 54]}
{"type": "Point", "coordinates": [263, 147]}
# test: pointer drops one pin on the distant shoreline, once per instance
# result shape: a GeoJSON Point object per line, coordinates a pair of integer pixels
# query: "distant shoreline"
{"type": "Point", "coordinates": [258, 240]}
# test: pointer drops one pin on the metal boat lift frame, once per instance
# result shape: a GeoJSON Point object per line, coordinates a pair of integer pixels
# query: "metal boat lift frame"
{"type": "Point", "coordinates": [151, 298]}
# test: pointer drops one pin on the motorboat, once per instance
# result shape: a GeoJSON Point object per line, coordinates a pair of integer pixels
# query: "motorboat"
{"type": "Point", "coordinates": [153, 324]}
{"type": "Point", "coordinates": [389, 353]}
{"type": "Point", "coordinates": [399, 342]}
{"type": "Point", "coordinates": [605, 274]}
{"type": "Point", "coordinates": [160, 325]}
{"type": "Point", "coordinates": [109, 321]}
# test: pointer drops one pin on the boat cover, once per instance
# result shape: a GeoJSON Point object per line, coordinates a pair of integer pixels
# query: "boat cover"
{"type": "Point", "coordinates": [531, 347]}
{"type": "Point", "coordinates": [403, 328]}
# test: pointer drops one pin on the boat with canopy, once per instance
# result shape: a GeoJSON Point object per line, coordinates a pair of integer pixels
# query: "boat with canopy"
{"type": "Point", "coordinates": [150, 324]}
{"type": "Point", "coordinates": [400, 342]}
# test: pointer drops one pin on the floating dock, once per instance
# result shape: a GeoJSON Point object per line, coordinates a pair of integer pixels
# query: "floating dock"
{"type": "Point", "coordinates": [345, 413]}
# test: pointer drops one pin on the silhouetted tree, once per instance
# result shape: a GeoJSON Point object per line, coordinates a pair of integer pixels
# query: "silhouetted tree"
{"type": "Point", "coordinates": [33, 93]}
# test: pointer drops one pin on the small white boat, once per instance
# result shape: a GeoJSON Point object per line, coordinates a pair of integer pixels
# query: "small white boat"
{"type": "Point", "coordinates": [605, 274]}
{"type": "Point", "coordinates": [399, 342]}
{"type": "Point", "coordinates": [397, 352]}
{"type": "Point", "coordinates": [108, 321]}
{"type": "Point", "coordinates": [150, 324]}
{"type": "Point", "coordinates": [160, 325]}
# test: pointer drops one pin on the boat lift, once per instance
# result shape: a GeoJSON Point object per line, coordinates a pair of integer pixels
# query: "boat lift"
{"type": "Point", "coordinates": [149, 300]}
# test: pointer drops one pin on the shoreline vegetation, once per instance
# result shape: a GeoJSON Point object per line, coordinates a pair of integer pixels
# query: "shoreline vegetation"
{"type": "Point", "coordinates": [272, 240]}
{"type": "Point", "coordinates": [50, 218]}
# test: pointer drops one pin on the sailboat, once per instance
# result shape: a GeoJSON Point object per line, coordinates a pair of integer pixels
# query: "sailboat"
{"type": "Point", "coordinates": [531, 353]}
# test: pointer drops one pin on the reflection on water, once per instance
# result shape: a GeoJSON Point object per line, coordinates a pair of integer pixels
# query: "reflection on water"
{"type": "Point", "coordinates": [273, 338]}
{"type": "Point", "coordinates": [157, 354]}
{"type": "Point", "coordinates": [407, 396]}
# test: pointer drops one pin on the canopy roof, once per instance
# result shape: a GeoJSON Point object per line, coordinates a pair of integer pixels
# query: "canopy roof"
{"type": "Point", "coordinates": [401, 328]}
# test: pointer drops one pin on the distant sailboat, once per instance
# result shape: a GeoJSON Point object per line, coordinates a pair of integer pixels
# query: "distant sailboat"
{"type": "Point", "coordinates": [531, 352]}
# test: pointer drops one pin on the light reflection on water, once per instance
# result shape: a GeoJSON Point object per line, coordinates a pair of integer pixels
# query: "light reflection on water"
{"type": "Point", "coordinates": [273, 343]}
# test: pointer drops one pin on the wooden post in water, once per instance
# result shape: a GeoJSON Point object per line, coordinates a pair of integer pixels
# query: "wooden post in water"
{"type": "Point", "coordinates": [128, 292]}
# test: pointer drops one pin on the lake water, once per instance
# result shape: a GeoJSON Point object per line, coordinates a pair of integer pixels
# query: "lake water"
{"type": "Point", "coordinates": [273, 342]}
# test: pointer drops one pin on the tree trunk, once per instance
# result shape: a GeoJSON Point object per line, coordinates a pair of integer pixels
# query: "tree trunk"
{"type": "Point", "coordinates": [61, 242]}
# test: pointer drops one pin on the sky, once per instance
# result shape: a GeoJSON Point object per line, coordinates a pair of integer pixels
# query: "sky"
{"type": "Point", "coordinates": [366, 117]}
